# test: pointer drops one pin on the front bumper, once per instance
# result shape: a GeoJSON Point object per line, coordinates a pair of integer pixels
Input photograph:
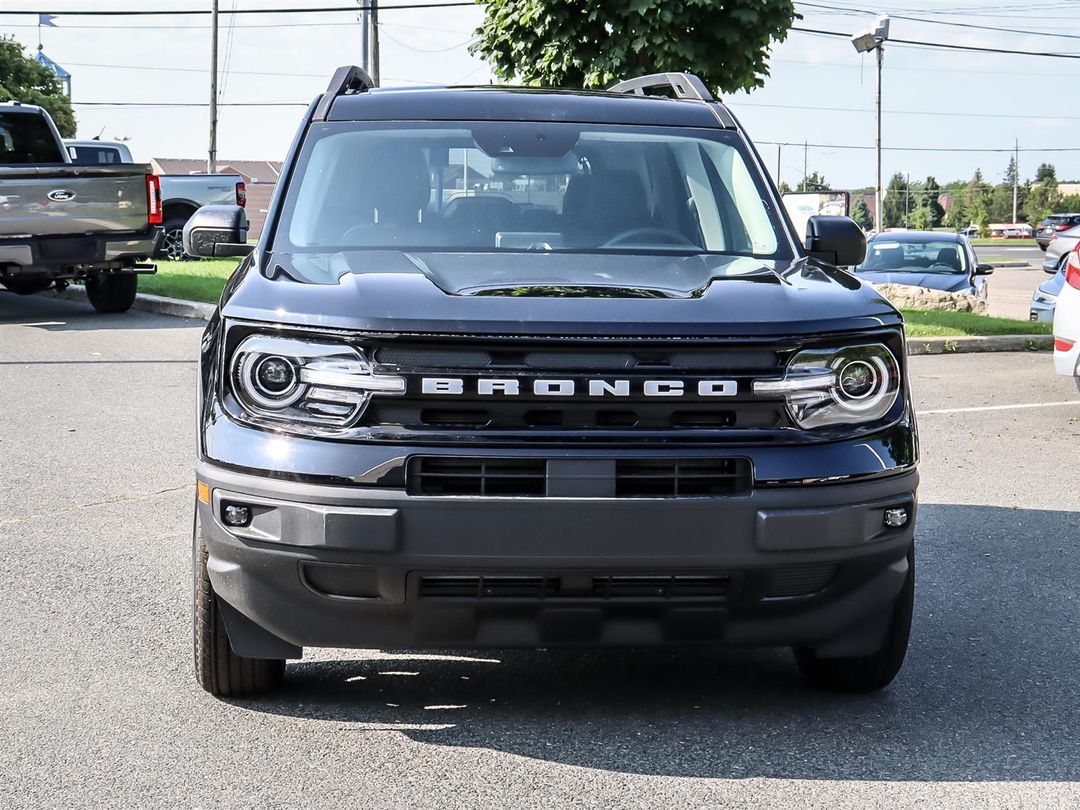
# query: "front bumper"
{"type": "Point", "coordinates": [1042, 311]}
{"type": "Point", "coordinates": [354, 566]}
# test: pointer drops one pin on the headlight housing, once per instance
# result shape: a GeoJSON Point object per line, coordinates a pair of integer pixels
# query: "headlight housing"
{"type": "Point", "coordinates": [287, 380]}
{"type": "Point", "coordinates": [849, 385]}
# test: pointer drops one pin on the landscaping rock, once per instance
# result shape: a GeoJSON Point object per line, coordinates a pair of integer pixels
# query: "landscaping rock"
{"type": "Point", "coordinates": [903, 296]}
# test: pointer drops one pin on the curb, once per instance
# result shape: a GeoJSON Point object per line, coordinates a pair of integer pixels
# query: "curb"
{"type": "Point", "coordinates": [145, 302]}
{"type": "Point", "coordinates": [933, 345]}
{"type": "Point", "coordinates": [987, 343]}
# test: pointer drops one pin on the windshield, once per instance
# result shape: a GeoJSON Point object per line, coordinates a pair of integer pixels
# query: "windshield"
{"type": "Point", "coordinates": [517, 186]}
{"type": "Point", "coordinates": [896, 256]}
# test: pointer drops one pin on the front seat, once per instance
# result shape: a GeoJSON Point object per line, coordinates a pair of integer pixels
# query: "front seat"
{"type": "Point", "coordinates": [950, 257]}
{"type": "Point", "coordinates": [600, 206]}
{"type": "Point", "coordinates": [393, 202]}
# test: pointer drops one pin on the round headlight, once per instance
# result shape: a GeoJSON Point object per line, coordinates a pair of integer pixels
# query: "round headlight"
{"type": "Point", "coordinates": [274, 376]}
{"type": "Point", "coordinates": [857, 379]}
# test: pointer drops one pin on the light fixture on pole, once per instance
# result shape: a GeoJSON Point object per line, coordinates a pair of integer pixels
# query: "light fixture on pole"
{"type": "Point", "coordinates": [865, 42]}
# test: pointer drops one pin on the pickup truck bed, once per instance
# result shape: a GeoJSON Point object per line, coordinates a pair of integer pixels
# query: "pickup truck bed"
{"type": "Point", "coordinates": [60, 221]}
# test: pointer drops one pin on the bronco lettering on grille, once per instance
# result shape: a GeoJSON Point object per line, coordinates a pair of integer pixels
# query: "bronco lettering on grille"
{"type": "Point", "coordinates": [453, 386]}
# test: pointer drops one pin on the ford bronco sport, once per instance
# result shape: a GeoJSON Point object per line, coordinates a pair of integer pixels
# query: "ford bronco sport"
{"type": "Point", "coordinates": [513, 367]}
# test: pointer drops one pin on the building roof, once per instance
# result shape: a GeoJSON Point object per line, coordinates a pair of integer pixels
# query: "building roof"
{"type": "Point", "coordinates": [252, 171]}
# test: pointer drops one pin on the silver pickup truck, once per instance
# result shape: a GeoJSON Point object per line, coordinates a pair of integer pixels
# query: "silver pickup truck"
{"type": "Point", "coordinates": [181, 194]}
{"type": "Point", "coordinates": [60, 221]}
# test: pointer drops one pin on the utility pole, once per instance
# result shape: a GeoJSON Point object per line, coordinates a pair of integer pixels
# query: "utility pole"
{"type": "Point", "coordinates": [373, 71]}
{"type": "Point", "coordinates": [211, 162]}
{"type": "Point", "coordinates": [805, 164]}
{"type": "Point", "coordinates": [369, 38]}
{"type": "Point", "coordinates": [365, 36]}
{"type": "Point", "coordinates": [779, 148]}
{"type": "Point", "coordinates": [1016, 179]}
{"type": "Point", "coordinates": [907, 200]}
{"type": "Point", "coordinates": [878, 193]}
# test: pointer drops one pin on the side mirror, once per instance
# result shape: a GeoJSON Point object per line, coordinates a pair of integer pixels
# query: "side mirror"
{"type": "Point", "coordinates": [217, 231]}
{"type": "Point", "coordinates": [982, 269]}
{"type": "Point", "coordinates": [837, 240]}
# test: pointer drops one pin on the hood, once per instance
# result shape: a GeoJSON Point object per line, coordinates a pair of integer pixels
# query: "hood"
{"type": "Point", "coordinates": [524, 293]}
{"type": "Point", "coordinates": [948, 282]}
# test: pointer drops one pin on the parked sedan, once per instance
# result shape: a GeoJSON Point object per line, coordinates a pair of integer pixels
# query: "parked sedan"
{"type": "Point", "coordinates": [1053, 224]}
{"type": "Point", "coordinates": [1044, 299]}
{"type": "Point", "coordinates": [937, 261]}
{"type": "Point", "coordinates": [1067, 321]}
{"type": "Point", "coordinates": [1058, 248]}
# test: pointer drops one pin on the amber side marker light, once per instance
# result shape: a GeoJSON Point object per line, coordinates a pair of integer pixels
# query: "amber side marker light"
{"type": "Point", "coordinates": [204, 492]}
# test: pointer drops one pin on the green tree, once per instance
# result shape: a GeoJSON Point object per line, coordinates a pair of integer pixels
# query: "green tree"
{"type": "Point", "coordinates": [932, 202]}
{"type": "Point", "coordinates": [24, 79]}
{"type": "Point", "coordinates": [860, 212]}
{"type": "Point", "coordinates": [784, 187]}
{"type": "Point", "coordinates": [919, 219]}
{"type": "Point", "coordinates": [813, 182]}
{"type": "Point", "coordinates": [892, 209]}
{"type": "Point", "coordinates": [568, 43]}
{"type": "Point", "coordinates": [1045, 173]}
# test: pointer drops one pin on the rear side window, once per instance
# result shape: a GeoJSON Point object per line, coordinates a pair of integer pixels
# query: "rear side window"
{"type": "Point", "coordinates": [94, 155]}
{"type": "Point", "coordinates": [25, 137]}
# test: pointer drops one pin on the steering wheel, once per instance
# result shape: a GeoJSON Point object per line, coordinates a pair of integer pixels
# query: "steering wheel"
{"type": "Point", "coordinates": [661, 235]}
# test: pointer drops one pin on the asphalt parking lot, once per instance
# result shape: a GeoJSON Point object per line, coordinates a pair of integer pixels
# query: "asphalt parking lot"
{"type": "Point", "coordinates": [99, 705]}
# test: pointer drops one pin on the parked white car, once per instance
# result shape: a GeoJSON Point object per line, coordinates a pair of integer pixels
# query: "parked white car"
{"type": "Point", "coordinates": [1067, 321]}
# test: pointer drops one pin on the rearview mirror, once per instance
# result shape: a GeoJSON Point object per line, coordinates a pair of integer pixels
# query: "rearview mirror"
{"type": "Point", "coordinates": [837, 240]}
{"type": "Point", "coordinates": [982, 269]}
{"type": "Point", "coordinates": [217, 231]}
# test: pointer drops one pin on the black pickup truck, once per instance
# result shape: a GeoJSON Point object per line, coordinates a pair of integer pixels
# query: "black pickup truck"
{"type": "Point", "coordinates": [519, 367]}
{"type": "Point", "coordinates": [61, 222]}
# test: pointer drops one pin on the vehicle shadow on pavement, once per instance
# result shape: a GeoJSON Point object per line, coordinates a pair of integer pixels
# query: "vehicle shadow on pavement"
{"type": "Point", "coordinates": [990, 690]}
{"type": "Point", "coordinates": [46, 312]}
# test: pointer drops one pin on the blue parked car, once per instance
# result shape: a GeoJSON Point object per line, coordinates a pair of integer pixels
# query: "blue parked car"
{"type": "Point", "coordinates": [938, 261]}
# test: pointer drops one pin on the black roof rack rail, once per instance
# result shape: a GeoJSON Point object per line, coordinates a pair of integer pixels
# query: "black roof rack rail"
{"type": "Point", "coordinates": [347, 80]}
{"type": "Point", "coordinates": [685, 85]}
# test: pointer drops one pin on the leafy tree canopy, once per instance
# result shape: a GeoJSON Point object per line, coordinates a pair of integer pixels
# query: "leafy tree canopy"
{"type": "Point", "coordinates": [860, 212]}
{"type": "Point", "coordinates": [1045, 173]}
{"type": "Point", "coordinates": [814, 181]}
{"type": "Point", "coordinates": [24, 79]}
{"type": "Point", "coordinates": [567, 43]}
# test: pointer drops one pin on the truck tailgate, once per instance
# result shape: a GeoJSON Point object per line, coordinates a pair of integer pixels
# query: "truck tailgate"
{"type": "Point", "coordinates": [57, 200]}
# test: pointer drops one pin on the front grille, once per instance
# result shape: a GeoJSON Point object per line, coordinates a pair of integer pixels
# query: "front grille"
{"type": "Point", "coordinates": [800, 580]}
{"type": "Point", "coordinates": [526, 414]}
{"type": "Point", "coordinates": [606, 587]}
{"type": "Point", "coordinates": [432, 475]}
{"type": "Point", "coordinates": [681, 478]}
{"type": "Point", "coordinates": [612, 478]}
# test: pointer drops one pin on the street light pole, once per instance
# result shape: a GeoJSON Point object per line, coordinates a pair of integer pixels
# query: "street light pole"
{"type": "Point", "coordinates": [865, 42]}
{"type": "Point", "coordinates": [211, 162]}
{"type": "Point", "coordinates": [878, 191]}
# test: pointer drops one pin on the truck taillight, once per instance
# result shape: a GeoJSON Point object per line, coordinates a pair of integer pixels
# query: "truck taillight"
{"type": "Point", "coordinates": [241, 194]}
{"type": "Point", "coordinates": [1072, 269]}
{"type": "Point", "coordinates": [154, 213]}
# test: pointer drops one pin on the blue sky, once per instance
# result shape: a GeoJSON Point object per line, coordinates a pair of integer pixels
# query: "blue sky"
{"type": "Point", "coordinates": [820, 90]}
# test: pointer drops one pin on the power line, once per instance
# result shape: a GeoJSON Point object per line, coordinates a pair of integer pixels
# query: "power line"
{"type": "Point", "coordinates": [944, 45]}
{"type": "Point", "coordinates": [854, 10]}
{"type": "Point", "coordinates": [199, 11]}
{"type": "Point", "coordinates": [971, 149]}
{"type": "Point", "coordinates": [907, 112]}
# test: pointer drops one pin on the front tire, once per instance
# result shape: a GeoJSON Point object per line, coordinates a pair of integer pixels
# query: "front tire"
{"type": "Point", "coordinates": [219, 670]}
{"type": "Point", "coordinates": [867, 673]}
{"type": "Point", "coordinates": [112, 292]}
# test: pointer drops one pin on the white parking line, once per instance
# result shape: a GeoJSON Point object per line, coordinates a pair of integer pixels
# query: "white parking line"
{"type": "Point", "coordinates": [1001, 407]}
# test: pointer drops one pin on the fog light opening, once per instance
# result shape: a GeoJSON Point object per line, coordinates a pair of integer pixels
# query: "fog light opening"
{"type": "Point", "coordinates": [896, 517]}
{"type": "Point", "coordinates": [236, 515]}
